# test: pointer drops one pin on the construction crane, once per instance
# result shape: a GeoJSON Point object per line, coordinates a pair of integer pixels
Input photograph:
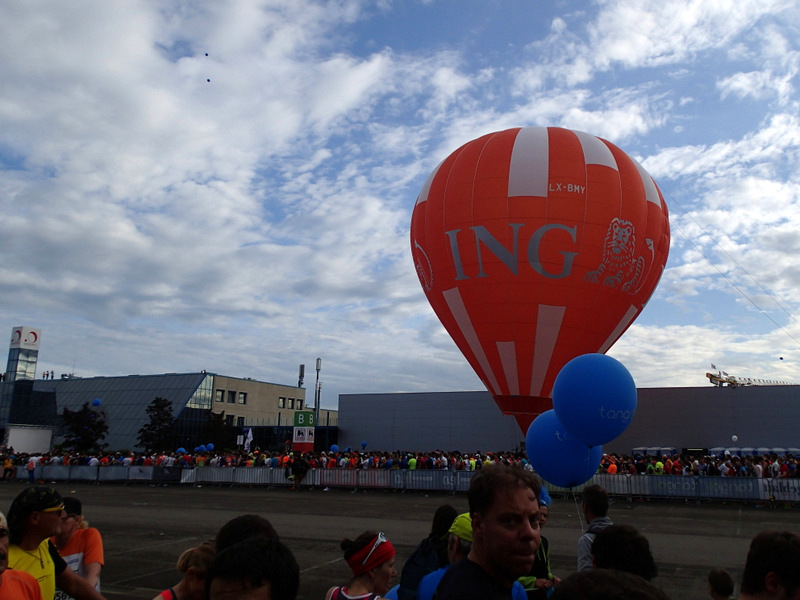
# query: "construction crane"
{"type": "Point", "coordinates": [722, 379]}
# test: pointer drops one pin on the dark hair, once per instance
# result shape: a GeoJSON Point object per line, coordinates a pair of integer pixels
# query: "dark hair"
{"type": "Point", "coordinates": [244, 527]}
{"type": "Point", "coordinates": [496, 477]}
{"type": "Point", "coordinates": [721, 582]}
{"type": "Point", "coordinates": [256, 562]}
{"type": "Point", "coordinates": [596, 500]}
{"type": "Point", "coordinates": [442, 520]}
{"type": "Point", "coordinates": [350, 547]}
{"type": "Point", "coordinates": [623, 548]}
{"type": "Point", "coordinates": [606, 584]}
{"type": "Point", "coordinates": [772, 552]}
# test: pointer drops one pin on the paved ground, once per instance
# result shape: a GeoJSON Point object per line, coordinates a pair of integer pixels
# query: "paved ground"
{"type": "Point", "coordinates": [145, 529]}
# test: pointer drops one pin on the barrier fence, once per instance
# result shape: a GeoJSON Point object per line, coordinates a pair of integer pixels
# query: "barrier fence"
{"type": "Point", "coordinates": [629, 486]}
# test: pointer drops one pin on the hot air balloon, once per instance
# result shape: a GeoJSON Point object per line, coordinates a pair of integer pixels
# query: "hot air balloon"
{"type": "Point", "coordinates": [536, 245]}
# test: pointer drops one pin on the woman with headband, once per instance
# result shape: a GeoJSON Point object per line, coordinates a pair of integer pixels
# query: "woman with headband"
{"type": "Point", "coordinates": [371, 558]}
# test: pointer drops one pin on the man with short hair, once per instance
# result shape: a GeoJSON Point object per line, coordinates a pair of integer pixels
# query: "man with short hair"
{"type": "Point", "coordinates": [34, 517]}
{"type": "Point", "coordinates": [772, 570]}
{"type": "Point", "coordinates": [504, 508]}
{"type": "Point", "coordinates": [595, 509]}
{"type": "Point", "coordinates": [255, 569]}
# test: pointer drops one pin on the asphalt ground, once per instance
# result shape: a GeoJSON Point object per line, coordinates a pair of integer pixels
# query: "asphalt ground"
{"type": "Point", "coordinates": [146, 527]}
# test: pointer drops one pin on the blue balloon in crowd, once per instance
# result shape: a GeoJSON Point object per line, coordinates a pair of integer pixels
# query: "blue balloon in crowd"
{"type": "Point", "coordinates": [594, 397]}
{"type": "Point", "coordinates": [97, 402]}
{"type": "Point", "coordinates": [334, 448]}
{"type": "Point", "coordinates": [557, 456]}
{"type": "Point", "coordinates": [210, 446]}
{"type": "Point", "coordinates": [181, 451]}
{"type": "Point", "coordinates": [196, 449]}
{"type": "Point", "coordinates": [363, 445]}
{"type": "Point", "coordinates": [544, 497]}
{"type": "Point", "coordinates": [201, 448]}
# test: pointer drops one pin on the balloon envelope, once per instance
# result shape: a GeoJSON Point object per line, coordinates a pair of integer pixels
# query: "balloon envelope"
{"type": "Point", "coordinates": [180, 451]}
{"type": "Point", "coordinates": [97, 402]}
{"type": "Point", "coordinates": [536, 245]}
{"type": "Point", "coordinates": [594, 397]}
{"type": "Point", "coordinates": [558, 457]}
{"type": "Point", "coordinates": [334, 448]}
{"type": "Point", "coordinates": [210, 446]}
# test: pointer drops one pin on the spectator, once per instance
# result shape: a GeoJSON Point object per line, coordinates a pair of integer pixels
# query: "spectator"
{"type": "Point", "coordinates": [14, 585]}
{"type": "Point", "coordinates": [595, 510]}
{"type": "Point", "coordinates": [430, 555]}
{"type": "Point", "coordinates": [193, 565]}
{"type": "Point", "coordinates": [720, 584]}
{"type": "Point", "coordinates": [255, 569]}
{"type": "Point", "coordinates": [371, 557]}
{"type": "Point", "coordinates": [623, 548]}
{"type": "Point", "coordinates": [35, 516]}
{"type": "Point", "coordinates": [771, 571]}
{"type": "Point", "coordinates": [504, 509]}
{"type": "Point", "coordinates": [540, 582]}
{"type": "Point", "coordinates": [81, 546]}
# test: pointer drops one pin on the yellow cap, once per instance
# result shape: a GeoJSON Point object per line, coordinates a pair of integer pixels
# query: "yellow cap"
{"type": "Point", "coordinates": [462, 527]}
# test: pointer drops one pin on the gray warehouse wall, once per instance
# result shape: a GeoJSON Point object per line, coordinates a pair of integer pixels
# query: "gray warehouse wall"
{"type": "Point", "coordinates": [702, 417]}
{"type": "Point", "coordinates": [465, 421]}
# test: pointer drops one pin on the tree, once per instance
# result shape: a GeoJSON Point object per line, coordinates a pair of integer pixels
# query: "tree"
{"type": "Point", "coordinates": [85, 429]}
{"type": "Point", "coordinates": [217, 431]}
{"type": "Point", "coordinates": [159, 432]}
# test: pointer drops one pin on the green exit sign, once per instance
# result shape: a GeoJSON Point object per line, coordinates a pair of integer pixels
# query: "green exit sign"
{"type": "Point", "coordinates": [304, 419]}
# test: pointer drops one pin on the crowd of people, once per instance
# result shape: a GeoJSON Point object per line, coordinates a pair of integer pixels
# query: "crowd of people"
{"type": "Point", "coordinates": [725, 465]}
{"type": "Point", "coordinates": [496, 550]}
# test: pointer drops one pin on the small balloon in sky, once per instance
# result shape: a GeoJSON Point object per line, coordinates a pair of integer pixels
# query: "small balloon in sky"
{"type": "Point", "coordinates": [781, 358]}
{"type": "Point", "coordinates": [734, 438]}
{"type": "Point", "coordinates": [208, 80]}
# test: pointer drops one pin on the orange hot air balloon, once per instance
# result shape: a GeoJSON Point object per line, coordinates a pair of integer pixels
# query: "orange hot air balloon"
{"type": "Point", "coordinates": [536, 245]}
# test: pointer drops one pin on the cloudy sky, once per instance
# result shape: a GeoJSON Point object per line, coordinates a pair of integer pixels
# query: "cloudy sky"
{"type": "Point", "coordinates": [228, 185]}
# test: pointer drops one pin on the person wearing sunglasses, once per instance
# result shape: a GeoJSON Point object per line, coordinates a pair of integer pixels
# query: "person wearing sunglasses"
{"type": "Point", "coordinates": [371, 557]}
{"type": "Point", "coordinates": [36, 515]}
{"type": "Point", "coordinates": [80, 545]}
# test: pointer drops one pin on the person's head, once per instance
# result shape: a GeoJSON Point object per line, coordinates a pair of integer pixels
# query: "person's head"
{"type": "Point", "coordinates": [36, 511]}
{"type": "Point", "coordinates": [193, 565]}
{"type": "Point", "coordinates": [254, 569]}
{"type": "Point", "coordinates": [3, 544]}
{"type": "Point", "coordinates": [242, 528]}
{"type": "Point", "coordinates": [606, 584]}
{"type": "Point", "coordinates": [442, 519]}
{"type": "Point", "coordinates": [772, 563]}
{"type": "Point", "coordinates": [459, 541]}
{"type": "Point", "coordinates": [371, 557]}
{"type": "Point", "coordinates": [503, 504]}
{"type": "Point", "coordinates": [595, 501]}
{"type": "Point", "coordinates": [623, 548]}
{"type": "Point", "coordinates": [72, 521]}
{"type": "Point", "coordinates": [720, 584]}
{"type": "Point", "coordinates": [543, 512]}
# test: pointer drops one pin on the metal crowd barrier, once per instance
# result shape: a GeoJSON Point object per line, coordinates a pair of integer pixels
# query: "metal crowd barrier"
{"type": "Point", "coordinates": [619, 485]}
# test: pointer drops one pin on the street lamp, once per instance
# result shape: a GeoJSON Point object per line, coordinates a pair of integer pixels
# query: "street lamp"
{"type": "Point", "coordinates": [317, 390]}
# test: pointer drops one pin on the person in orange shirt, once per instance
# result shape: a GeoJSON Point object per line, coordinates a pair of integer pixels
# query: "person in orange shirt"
{"type": "Point", "coordinates": [14, 585]}
{"type": "Point", "coordinates": [80, 545]}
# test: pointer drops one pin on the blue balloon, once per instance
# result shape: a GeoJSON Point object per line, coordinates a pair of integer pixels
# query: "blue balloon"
{"type": "Point", "coordinates": [557, 456]}
{"type": "Point", "coordinates": [594, 397]}
{"type": "Point", "coordinates": [180, 451]}
{"type": "Point", "coordinates": [334, 448]}
{"type": "Point", "coordinates": [196, 449]}
{"type": "Point", "coordinates": [201, 448]}
{"type": "Point", "coordinates": [97, 402]}
{"type": "Point", "coordinates": [210, 446]}
{"type": "Point", "coordinates": [544, 497]}
{"type": "Point", "coordinates": [363, 445]}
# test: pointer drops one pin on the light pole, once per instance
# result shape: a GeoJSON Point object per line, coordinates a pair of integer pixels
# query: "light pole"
{"type": "Point", "coordinates": [317, 390]}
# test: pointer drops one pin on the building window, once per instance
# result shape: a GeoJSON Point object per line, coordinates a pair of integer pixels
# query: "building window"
{"type": "Point", "coordinates": [220, 396]}
{"type": "Point", "coordinates": [299, 404]}
{"type": "Point", "coordinates": [229, 420]}
{"type": "Point", "coordinates": [231, 397]}
{"type": "Point", "coordinates": [281, 402]}
{"type": "Point", "coordinates": [291, 403]}
{"type": "Point", "coordinates": [242, 397]}
{"type": "Point", "coordinates": [240, 421]}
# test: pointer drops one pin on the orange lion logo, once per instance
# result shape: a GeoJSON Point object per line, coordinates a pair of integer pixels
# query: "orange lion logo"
{"type": "Point", "coordinates": [619, 267]}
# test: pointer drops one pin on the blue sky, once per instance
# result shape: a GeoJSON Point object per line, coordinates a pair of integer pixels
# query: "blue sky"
{"type": "Point", "coordinates": [228, 186]}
